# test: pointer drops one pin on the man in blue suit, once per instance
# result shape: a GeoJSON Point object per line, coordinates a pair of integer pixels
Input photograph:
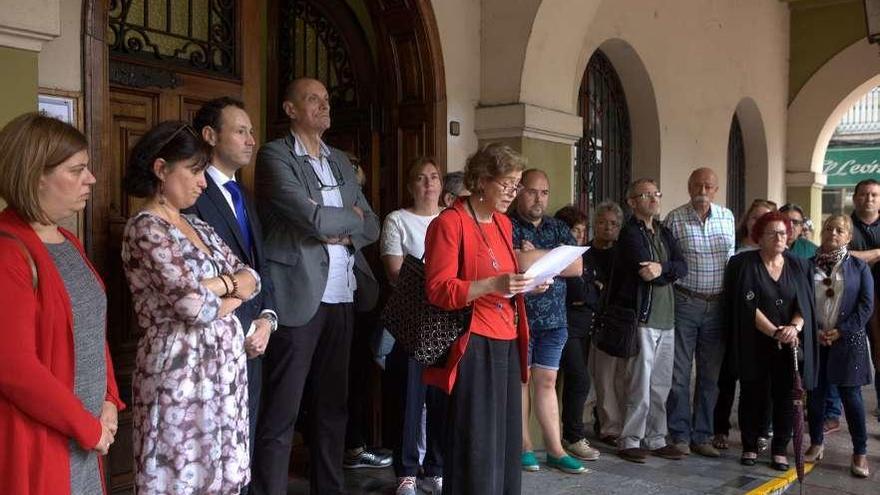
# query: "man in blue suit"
{"type": "Point", "coordinates": [226, 127]}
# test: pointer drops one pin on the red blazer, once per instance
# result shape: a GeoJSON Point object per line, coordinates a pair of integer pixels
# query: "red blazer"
{"type": "Point", "coordinates": [455, 229]}
{"type": "Point", "coordinates": [39, 411]}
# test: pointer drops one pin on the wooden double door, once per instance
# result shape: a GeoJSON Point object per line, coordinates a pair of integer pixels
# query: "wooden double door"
{"type": "Point", "coordinates": [391, 120]}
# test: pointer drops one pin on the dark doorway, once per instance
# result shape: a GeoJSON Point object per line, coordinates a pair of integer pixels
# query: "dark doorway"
{"type": "Point", "coordinates": [736, 169]}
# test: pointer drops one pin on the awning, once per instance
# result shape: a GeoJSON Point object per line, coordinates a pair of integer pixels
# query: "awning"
{"type": "Point", "coordinates": [845, 167]}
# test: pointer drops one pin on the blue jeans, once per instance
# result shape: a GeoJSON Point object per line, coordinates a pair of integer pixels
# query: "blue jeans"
{"type": "Point", "coordinates": [833, 407]}
{"type": "Point", "coordinates": [698, 332]}
{"type": "Point", "coordinates": [545, 347]}
{"type": "Point", "coordinates": [852, 406]}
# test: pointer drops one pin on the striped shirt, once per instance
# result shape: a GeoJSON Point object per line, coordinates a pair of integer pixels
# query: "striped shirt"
{"type": "Point", "coordinates": [706, 246]}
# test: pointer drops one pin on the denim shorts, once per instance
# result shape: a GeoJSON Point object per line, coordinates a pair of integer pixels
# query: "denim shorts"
{"type": "Point", "coordinates": [545, 347]}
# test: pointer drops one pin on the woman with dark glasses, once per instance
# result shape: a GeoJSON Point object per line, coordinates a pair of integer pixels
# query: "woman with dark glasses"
{"type": "Point", "coordinates": [189, 387]}
{"type": "Point", "coordinates": [844, 302]}
{"type": "Point", "coordinates": [770, 308]}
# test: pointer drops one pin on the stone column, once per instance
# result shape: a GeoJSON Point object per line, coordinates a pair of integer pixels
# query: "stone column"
{"type": "Point", "coordinates": [545, 137]}
{"type": "Point", "coordinates": [805, 189]}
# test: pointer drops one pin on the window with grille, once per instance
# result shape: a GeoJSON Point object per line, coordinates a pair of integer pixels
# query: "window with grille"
{"type": "Point", "coordinates": [200, 35]}
{"type": "Point", "coordinates": [604, 152]}
{"type": "Point", "coordinates": [736, 170]}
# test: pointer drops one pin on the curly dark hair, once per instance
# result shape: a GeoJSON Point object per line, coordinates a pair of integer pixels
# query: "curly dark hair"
{"type": "Point", "coordinates": [173, 141]}
{"type": "Point", "coordinates": [571, 215]}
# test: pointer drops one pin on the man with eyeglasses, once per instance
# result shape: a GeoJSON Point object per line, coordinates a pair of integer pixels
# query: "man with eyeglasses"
{"type": "Point", "coordinates": [648, 261]}
{"type": "Point", "coordinates": [797, 243]}
{"type": "Point", "coordinates": [316, 220]}
{"type": "Point", "coordinates": [534, 234]}
{"type": "Point", "coordinates": [705, 232]}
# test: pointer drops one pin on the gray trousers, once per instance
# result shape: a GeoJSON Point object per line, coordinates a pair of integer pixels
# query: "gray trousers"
{"type": "Point", "coordinates": [650, 378]}
{"type": "Point", "coordinates": [609, 382]}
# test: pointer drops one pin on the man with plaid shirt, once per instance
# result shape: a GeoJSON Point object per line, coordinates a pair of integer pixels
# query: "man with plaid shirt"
{"type": "Point", "coordinates": [705, 234]}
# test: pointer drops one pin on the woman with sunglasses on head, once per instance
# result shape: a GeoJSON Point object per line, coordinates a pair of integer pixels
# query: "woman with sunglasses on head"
{"type": "Point", "coordinates": [58, 395]}
{"type": "Point", "coordinates": [769, 306]}
{"type": "Point", "coordinates": [844, 302]}
{"type": "Point", "coordinates": [190, 378]}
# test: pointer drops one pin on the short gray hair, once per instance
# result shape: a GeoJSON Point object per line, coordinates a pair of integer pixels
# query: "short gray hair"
{"type": "Point", "coordinates": [453, 183]}
{"type": "Point", "coordinates": [608, 205]}
{"type": "Point", "coordinates": [631, 190]}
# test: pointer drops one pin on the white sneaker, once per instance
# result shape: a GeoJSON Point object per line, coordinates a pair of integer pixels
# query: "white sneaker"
{"type": "Point", "coordinates": [432, 485]}
{"type": "Point", "coordinates": [406, 485]}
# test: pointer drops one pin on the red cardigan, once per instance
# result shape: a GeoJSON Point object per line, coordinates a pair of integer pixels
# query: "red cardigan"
{"type": "Point", "coordinates": [455, 229]}
{"type": "Point", "coordinates": [39, 411]}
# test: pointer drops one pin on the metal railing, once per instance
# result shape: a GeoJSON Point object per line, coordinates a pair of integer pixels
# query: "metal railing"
{"type": "Point", "coordinates": [863, 117]}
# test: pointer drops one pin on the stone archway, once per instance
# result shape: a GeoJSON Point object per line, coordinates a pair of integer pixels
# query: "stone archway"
{"type": "Point", "coordinates": [815, 112]}
{"type": "Point", "coordinates": [755, 146]}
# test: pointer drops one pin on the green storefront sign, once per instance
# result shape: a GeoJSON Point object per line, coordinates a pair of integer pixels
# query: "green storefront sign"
{"type": "Point", "coordinates": [845, 167]}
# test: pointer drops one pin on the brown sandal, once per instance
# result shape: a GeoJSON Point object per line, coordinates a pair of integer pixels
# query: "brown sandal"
{"type": "Point", "coordinates": [720, 442]}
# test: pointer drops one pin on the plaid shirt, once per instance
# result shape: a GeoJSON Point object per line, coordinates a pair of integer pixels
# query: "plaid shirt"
{"type": "Point", "coordinates": [706, 246]}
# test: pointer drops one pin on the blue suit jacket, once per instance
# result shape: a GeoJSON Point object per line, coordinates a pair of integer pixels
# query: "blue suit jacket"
{"type": "Point", "coordinates": [848, 363]}
{"type": "Point", "coordinates": [213, 209]}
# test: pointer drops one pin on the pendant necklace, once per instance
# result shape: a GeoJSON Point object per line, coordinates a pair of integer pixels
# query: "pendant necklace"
{"type": "Point", "coordinates": [495, 265]}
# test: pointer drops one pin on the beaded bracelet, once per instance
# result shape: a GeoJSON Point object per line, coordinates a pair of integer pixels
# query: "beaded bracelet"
{"type": "Point", "coordinates": [225, 285]}
{"type": "Point", "coordinates": [234, 292]}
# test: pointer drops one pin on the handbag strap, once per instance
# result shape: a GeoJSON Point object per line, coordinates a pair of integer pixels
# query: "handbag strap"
{"type": "Point", "coordinates": [27, 255]}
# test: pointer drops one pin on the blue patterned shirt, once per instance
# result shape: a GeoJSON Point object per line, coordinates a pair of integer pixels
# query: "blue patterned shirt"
{"type": "Point", "coordinates": [545, 310]}
{"type": "Point", "coordinates": [706, 246]}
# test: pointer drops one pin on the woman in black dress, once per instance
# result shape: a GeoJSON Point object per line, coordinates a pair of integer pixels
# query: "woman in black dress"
{"type": "Point", "coordinates": [770, 306]}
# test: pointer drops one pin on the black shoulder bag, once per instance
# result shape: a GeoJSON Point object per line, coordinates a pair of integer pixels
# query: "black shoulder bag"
{"type": "Point", "coordinates": [615, 328]}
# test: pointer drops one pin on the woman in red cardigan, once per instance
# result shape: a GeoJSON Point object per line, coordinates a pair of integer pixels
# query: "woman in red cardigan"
{"type": "Point", "coordinates": [58, 396]}
{"type": "Point", "coordinates": [469, 260]}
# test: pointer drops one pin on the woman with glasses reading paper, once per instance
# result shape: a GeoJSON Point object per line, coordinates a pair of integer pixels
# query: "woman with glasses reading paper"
{"type": "Point", "coordinates": [190, 380]}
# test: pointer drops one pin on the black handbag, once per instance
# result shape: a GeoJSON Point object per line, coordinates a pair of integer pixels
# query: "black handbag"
{"type": "Point", "coordinates": [425, 331]}
{"type": "Point", "coordinates": [615, 328]}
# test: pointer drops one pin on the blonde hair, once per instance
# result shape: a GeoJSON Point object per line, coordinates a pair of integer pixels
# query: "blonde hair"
{"type": "Point", "coordinates": [844, 220]}
{"type": "Point", "coordinates": [31, 146]}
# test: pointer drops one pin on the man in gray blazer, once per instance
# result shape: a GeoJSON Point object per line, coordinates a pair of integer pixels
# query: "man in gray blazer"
{"type": "Point", "coordinates": [316, 220]}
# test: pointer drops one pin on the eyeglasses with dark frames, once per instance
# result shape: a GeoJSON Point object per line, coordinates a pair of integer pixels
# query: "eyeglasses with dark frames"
{"type": "Point", "coordinates": [337, 175]}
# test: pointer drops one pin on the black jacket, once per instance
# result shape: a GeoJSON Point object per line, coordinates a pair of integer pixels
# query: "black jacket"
{"type": "Point", "coordinates": [741, 295]}
{"type": "Point", "coordinates": [582, 294]}
{"type": "Point", "coordinates": [633, 247]}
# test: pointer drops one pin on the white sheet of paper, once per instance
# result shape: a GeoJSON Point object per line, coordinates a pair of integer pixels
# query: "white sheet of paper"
{"type": "Point", "coordinates": [552, 264]}
{"type": "Point", "coordinates": [251, 330]}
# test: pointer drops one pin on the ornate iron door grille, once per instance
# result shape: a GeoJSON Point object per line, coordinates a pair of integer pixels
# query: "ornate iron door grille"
{"type": "Point", "coordinates": [604, 152]}
{"type": "Point", "coordinates": [199, 35]}
{"type": "Point", "coordinates": [310, 45]}
{"type": "Point", "coordinates": [736, 170]}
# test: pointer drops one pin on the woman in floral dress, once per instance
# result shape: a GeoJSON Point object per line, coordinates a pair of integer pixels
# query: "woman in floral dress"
{"type": "Point", "coordinates": [190, 381]}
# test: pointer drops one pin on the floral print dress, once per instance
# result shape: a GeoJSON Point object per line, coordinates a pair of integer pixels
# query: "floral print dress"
{"type": "Point", "coordinates": [190, 402]}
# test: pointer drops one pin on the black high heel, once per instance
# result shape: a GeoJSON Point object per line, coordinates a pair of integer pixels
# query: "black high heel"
{"type": "Point", "coordinates": [779, 466]}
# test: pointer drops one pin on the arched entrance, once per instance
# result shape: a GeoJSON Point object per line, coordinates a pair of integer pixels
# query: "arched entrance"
{"type": "Point", "coordinates": [386, 120]}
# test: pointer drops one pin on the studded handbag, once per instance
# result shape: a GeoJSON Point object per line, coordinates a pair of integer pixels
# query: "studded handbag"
{"type": "Point", "coordinates": [425, 331]}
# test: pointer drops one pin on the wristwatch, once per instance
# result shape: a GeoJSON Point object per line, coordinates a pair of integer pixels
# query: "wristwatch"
{"type": "Point", "coordinates": [272, 319]}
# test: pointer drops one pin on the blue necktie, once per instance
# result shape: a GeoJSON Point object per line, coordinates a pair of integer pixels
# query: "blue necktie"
{"type": "Point", "coordinates": [240, 214]}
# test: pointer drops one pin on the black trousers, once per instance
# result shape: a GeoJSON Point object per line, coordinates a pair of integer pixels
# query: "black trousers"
{"type": "Point", "coordinates": [317, 351]}
{"type": "Point", "coordinates": [777, 380]}
{"type": "Point", "coordinates": [724, 406]}
{"type": "Point", "coordinates": [404, 378]}
{"type": "Point", "coordinates": [484, 429]}
{"type": "Point", "coordinates": [575, 386]}
{"type": "Point", "coordinates": [359, 372]}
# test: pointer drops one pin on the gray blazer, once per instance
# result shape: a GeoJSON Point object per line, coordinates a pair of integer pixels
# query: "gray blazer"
{"type": "Point", "coordinates": [294, 218]}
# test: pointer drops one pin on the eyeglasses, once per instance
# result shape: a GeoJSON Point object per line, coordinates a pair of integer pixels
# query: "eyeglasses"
{"type": "Point", "coordinates": [174, 134]}
{"type": "Point", "coordinates": [776, 233]}
{"type": "Point", "coordinates": [647, 195]}
{"type": "Point", "coordinates": [509, 188]}
{"type": "Point", "coordinates": [829, 292]}
{"type": "Point", "coordinates": [340, 179]}
{"type": "Point", "coordinates": [797, 223]}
